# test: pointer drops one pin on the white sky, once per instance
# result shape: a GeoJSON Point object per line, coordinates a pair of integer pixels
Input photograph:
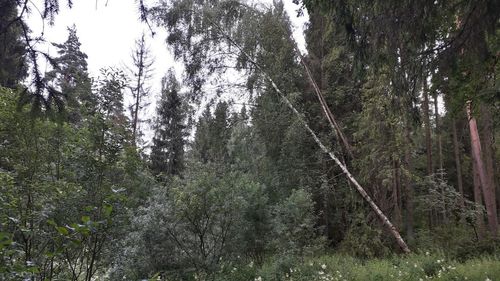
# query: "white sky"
{"type": "Point", "coordinates": [107, 30]}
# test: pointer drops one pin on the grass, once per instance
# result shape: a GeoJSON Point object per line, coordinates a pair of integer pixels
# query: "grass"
{"type": "Point", "coordinates": [337, 267]}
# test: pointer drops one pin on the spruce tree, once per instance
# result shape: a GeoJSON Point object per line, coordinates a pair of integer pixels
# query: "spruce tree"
{"type": "Point", "coordinates": [167, 153]}
{"type": "Point", "coordinates": [71, 77]}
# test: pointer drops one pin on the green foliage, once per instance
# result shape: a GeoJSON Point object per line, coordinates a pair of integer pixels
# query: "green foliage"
{"type": "Point", "coordinates": [443, 199]}
{"type": "Point", "coordinates": [363, 241]}
{"type": "Point", "coordinates": [63, 187]}
{"type": "Point", "coordinates": [294, 224]}
{"type": "Point", "coordinates": [199, 219]}
{"type": "Point", "coordinates": [167, 152]}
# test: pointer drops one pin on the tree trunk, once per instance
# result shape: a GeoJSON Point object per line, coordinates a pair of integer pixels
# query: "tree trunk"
{"type": "Point", "coordinates": [458, 165]}
{"type": "Point", "coordinates": [428, 140]}
{"type": "Point", "coordinates": [137, 98]}
{"type": "Point", "coordinates": [487, 190]}
{"type": "Point", "coordinates": [396, 195]}
{"type": "Point", "coordinates": [408, 186]}
{"type": "Point", "coordinates": [385, 221]}
{"type": "Point", "coordinates": [427, 126]}
{"type": "Point", "coordinates": [478, 200]}
{"type": "Point", "coordinates": [489, 148]}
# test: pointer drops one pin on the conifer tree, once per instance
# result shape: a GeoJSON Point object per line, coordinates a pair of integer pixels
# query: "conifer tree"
{"type": "Point", "coordinates": [140, 90]}
{"type": "Point", "coordinates": [167, 153]}
{"type": "Point", "coordinates": [71, 77]}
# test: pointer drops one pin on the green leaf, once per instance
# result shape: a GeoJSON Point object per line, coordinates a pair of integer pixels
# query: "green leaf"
{"type": "Point", "coordinates": [62, 230]}
{"type": "Point", "coordinates": [85, 219]}
{"type": "Point", "coordinates": [5, 239]}
{"type": "Point", "coordinates": [107, 210]}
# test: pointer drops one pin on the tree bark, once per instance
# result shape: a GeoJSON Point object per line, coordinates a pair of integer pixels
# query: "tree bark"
{"type": "Point", "coordinates": [487, 190]}
{"type": "Point", "coordinates": [488, 136]}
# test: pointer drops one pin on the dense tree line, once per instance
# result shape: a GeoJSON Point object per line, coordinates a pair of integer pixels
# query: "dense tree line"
{"type": "Point", "coordinates": [379, 140]}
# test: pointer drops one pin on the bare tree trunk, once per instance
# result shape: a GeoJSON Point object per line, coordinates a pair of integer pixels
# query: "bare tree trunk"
{"type": "Point", "coordinates": [489, 148]}
{"type": "Point", "coordinates": [487, 190]}
{"type": "Point", "coordinates": [385, 221]}
{"type": "Point", "coordinates": [458, 165]}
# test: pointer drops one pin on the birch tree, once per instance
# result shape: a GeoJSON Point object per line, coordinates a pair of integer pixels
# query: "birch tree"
{"type": "Point", "coordinates": [200, 29]}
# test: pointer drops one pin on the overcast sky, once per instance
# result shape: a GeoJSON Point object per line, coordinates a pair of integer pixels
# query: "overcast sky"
{"type": "Point", "coordinates": [107, 30]}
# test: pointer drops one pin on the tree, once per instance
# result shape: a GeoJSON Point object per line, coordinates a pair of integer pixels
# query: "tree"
{"type": "Point", "coordinates": [13, 66]}
{"type": "Point", "coordinates": [294, 224]}
{"type": "Point", "coordinates": [200, 222]}
{"type": "Point", "coordinates": [142, 74]}
{"type": "Point", "coordinates": [167, 152]}
{"type": "Point", "coordinates": [71, 78]}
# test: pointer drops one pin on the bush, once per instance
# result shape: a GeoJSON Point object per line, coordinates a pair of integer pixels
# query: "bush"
{"type": "Point", "coordinates": [294, 225]}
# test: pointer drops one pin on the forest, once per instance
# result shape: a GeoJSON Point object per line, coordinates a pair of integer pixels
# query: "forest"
{"type": "Point", "coordinates": [370, 155]}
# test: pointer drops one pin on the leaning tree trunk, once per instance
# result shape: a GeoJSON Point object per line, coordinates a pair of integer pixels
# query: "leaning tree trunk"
{"type": "Point", "coordinates": [487, 190]}
{"type": "Point", "coordinates": [382, 217]}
